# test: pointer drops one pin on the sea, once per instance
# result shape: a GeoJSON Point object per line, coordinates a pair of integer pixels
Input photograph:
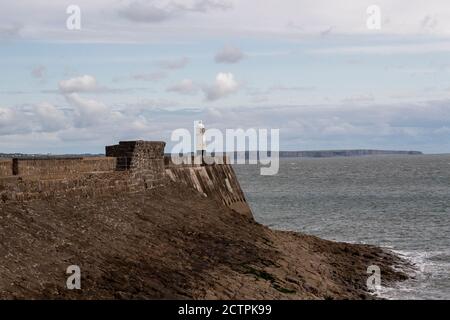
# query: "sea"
{"type": "Point", "coordinates": [399, 202]}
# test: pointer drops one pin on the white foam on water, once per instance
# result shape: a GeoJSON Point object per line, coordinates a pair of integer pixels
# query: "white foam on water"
{"type": "Point", "coordinates": [424, 280]}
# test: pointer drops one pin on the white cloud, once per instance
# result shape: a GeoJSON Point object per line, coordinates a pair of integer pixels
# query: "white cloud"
{"type": "Point", "coordinates": [6, 116]}
{"type": "Point", "coordinates": [186, 86]}
{"type": "Point", "coordinates": [88, 112]}
{"type": "Point", "coordinates": [8, 121]}
{"type": "Point", "coordinates": [49, 117]}
{"type": "Point", "coordinates": [223, 86]}
{"type": "Point", "coordinates": [78, 84]}
{"type": "Point", "coordinates": [42, 117]}
{"type": "Point", "coordinates": [397, 126]}
{"type": "Point", "coordinates": [394, 126]}
{"type": "Point", "coordinates": [229, 54]}
{"type": "Point", "coordinates": [83, 122]}
{"type": "Point", "coordinates": [187, 19]}
{"type": "Point", "coordinates": [153, 11]}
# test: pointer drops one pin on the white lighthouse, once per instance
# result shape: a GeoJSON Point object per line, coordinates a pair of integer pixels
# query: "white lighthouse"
{"type": "Point", "coordinates": [200, 139]}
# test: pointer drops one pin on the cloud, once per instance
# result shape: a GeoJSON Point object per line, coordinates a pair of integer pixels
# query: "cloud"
{"type": "Point", "coordinates": [146, 12]}
{"type": "Point", "coordinates": [152, 11]}
{"type": "Point", "coordinates": [88, 112]}
{"type": "Point", "coordinates": [40, 118]}
{"type": "Point", "coordinates": [81, 121]}
{"type": "Point", "coordinates": [229, 54]}
{"type": "Point", "coordinates": [88, 83]}
{"type": "Point", "coordinates": [223, 86]}
{"type": "Point", "coordinates": [8, 121]}
{"type": "Point", "coordinates": [49, 117]}
{"type": "Point", "coordinates": [421, 126]}
{"type": "Point", "coordinates": [207, 5]}
{"type": "Point", "coordinates": [174, 63]}
{"type": "Point", "coordinates": [79, 84]}
{"type": "Point", "coordinates": [175, 20]}
{"type": "Point", "coordinates": [186, 86]}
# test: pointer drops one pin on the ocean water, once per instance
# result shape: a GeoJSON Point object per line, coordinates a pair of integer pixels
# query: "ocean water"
{"type": "Point", "coordinates": [397, 202]}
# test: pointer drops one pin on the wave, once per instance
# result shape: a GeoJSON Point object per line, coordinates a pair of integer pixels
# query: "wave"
{"type": "Point", "coordinates": [429, 280]}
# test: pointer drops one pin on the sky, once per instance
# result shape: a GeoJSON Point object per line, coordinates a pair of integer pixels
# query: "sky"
{"type": "Point", "coordinates": [139, 69]}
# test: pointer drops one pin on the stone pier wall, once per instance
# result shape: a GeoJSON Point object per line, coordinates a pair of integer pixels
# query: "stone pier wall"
{"type": "Point", "coordinates": [144, 160]}
{"type": "Point", "coordinates": [63, 166]}
{"type": "Point", "coordinates": [213, 177]}
{"type": "Point", "coordinates": [5, 167]}
{"type": "Point", "coordinates": [17, 188]}
{"type": "Point", "coordinates": [130, 166]}
{"type": "Point", "coordinates": [214, 181]}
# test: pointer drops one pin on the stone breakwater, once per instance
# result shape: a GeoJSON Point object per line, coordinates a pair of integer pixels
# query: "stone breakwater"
{"type": "Point", "coordinates": [129, 167]}
{"type": "Point", "coordinates": [142, 227]}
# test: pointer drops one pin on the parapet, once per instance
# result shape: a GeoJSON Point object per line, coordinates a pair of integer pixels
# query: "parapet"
{"type": "Point", "coordinates": [49, 167]}
{"type": "Point", "coordinates": [5, 167]}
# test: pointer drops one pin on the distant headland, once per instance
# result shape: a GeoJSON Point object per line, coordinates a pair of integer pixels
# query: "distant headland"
{"type": "Point", "coordinates": [344, 153]}
{"type": "Point", "coordinates": [324, 153]}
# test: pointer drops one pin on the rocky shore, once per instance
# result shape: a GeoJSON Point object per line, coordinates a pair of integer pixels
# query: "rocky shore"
{"type": "Point", "coordinates": [172, 243]}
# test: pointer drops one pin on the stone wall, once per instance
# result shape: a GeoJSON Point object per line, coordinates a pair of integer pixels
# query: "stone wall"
{"type": "Point", "coordinates": [130, 166]}
{"type": "Point", "coordinates": [136, 154]}
{"type": "Point", "coordinates": [144, 160]}
{"type": "Point", "coordinates": [215, 178]}
{"type": "Point", "coordinates": [215, 181]}
{"type": "Point", "coordinates": [62, 166]}
{"type": "Point", "coordinates": [5, 167]}
{"type": "Point", "coordinates": [16, 188]}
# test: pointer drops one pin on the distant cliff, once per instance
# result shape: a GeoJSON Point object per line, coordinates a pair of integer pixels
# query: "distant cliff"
{"type": "Point", "coordinates": [324, 153]}
{"type": "Point", "coordinates": [343, 153]}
